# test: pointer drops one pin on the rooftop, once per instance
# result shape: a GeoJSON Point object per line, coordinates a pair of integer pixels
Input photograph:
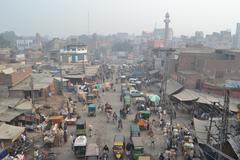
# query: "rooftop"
{"type": "Point", "coordinates": [9, 132]}
{"type": "Point", "coordinates": [11, 67]}
{"type": "Point", "coordinates": [40, 81]}
{"type": "Point", "coordinates": [196, 50]}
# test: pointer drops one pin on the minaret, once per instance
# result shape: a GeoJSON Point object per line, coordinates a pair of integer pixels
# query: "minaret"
{"type": "Point", "coordinates": [166, 37]}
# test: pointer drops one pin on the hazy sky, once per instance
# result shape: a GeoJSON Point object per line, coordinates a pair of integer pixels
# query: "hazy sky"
{"type": "Point", "coordinates": [69, 17]}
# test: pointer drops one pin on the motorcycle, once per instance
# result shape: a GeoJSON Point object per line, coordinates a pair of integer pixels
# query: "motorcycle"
{"type": "Point", "coordinates": [105, 156]}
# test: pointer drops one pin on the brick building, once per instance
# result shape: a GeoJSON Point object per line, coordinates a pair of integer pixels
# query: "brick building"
{"type": "Point", "coordinates": [208, 69]}
{"type": "Point", "coordinates": [12, 74]}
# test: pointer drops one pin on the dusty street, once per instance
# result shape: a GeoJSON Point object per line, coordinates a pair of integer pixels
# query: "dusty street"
{"type": "Point", "coordinates": [103, 132]}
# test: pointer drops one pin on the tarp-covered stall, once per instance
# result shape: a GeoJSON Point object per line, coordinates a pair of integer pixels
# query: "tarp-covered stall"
{"type": "Point", "coordinates": [9, 133]}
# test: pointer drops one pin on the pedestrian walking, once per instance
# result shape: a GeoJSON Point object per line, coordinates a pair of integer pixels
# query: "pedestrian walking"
{"type": "Point", "coordinates": [65, 136]}
{"type": "Point", "coordinates": [161, 157]}
{"type": "Point", "coordinates": [120, 125]}
{"type": "Point", "coordinates": [114, 117]}
{"type": "Point", "coordinates": [152, 141]}
{"type": "Point", "coordinates": [90, 130]}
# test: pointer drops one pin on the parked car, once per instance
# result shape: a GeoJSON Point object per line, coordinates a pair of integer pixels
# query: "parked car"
{"type": "Point", "coordinates": [135, 93]}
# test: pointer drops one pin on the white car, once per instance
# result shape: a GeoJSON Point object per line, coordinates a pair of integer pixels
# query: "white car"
{"type": "Point", "coordinates": [135, 93]}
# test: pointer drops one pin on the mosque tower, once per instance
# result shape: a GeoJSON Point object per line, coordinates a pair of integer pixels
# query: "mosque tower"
{"type": "Point", "coordinates": [166, 36]}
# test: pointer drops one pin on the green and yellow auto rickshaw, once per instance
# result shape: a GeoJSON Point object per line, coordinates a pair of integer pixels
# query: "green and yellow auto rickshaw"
{"type": "Point", "coordinates": [92, 110]}
{"type": "Point", "coordinates": [127, 101]}
{"type": "Point", "coordinates": [138, 148]}
{"type": "Point", "coordinates": [134, 130]}
{"type": "Point", "coordinates": [142, 119]}
{"type": "Point", "coordinates": [80, 127]}
{"type": "Point", "coordinates": [119, 146]}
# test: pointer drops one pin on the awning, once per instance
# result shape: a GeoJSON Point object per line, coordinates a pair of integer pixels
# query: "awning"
{"type": "Point", "coordinates": [235, 144]}
{"type": "Point", "coordinates": [10, 114]}
{"type": "Point", "coordinates": [204, 98]}
{"type": "Point", "coordinates": [201, 130]}
{"type": "Point", "coordinates": [173, 86]}
{"type": "Point", "coordinates": [9, 132]}
{"type": "Point", "coordinates": [186, 95]}
{"type": "Point", "coordinates": [153, 72]}
{"type": "Point", "coordinates": [61, 79]}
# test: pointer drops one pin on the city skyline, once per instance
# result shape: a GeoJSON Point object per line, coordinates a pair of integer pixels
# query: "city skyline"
{"type": "Point", "coordinates": [63, 18]}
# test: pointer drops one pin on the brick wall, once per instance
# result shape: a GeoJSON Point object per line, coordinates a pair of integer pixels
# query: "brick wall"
{"type": "Point", "coordinates": [16, 77]}
{"type": "Point", "coordinates": [20, 75]}
{"type": "Point", "coordinates": [5, 79]}
{"type": "Point", "coordinates": [4, 91]}
{"type": "Point", "coordinates": [188, 81]}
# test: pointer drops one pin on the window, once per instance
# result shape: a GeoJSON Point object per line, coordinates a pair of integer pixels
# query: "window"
{"type": "Point", "coordinates": [162, 63]}
{"type": "Point", "coordinates": [232, 57]}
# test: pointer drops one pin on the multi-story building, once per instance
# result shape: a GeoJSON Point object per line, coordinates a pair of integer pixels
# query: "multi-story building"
{"type": "Point", "coordinates": [237, 37]}
{"type": "Point", "coordinates": [163, 57]}
{"type": "Point", "coordinates": [74, 53]}
{"type": "Point", "coordinates": [207, 68]}
{"type": "Point", "coordinates": [23, 44]}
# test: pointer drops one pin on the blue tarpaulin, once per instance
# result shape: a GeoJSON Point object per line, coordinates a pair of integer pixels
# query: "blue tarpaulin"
{"type": "Point", "coordinates": [3, 154]}
{"type": "Point", "coordinates": [232, 84]}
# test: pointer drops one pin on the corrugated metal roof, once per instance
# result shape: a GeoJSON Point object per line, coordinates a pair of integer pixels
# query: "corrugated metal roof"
{"type": "Point", "coordinates": [173, 86]}
{"type": "Point", "coordinates": [9, 114]}
{"type": "Point", "coordinates": [186, 95]}
{"type": "Point", "coordinates": [235, 143]}
{"type": "Point", "coordinates": [9, 132]}
{"type": "Point", "coordinates": [201, 130]}
{"type": "Point", "coordinates": [40, 81]}
{"type": "Point", "coordinates": [204, 98]}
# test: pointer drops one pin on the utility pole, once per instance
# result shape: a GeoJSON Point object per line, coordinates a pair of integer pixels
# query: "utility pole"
{"type": "Point", "coordinates": [61, 83]}
{"type": "Point", "coordinates": [209, 129]}
{"type": "Point", "coordinates": [224, 124]}
{"type": "Point", "coordinates": [83, 64]}
{"type": "Point", "coordinates": [32, 94]}
{"type": "Point", "coordinates": [164, 99]}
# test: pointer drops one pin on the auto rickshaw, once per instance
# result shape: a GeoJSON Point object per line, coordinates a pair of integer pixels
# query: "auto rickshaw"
{"type": "Point", "coordinates": [142, 119]}
{"type": "Point", "coordinates": [144, 158]}
{"type": "Point", "coordinates": [91, 98]}
{"type": "Point", "coordinates": [92, 110]}
{"type": "Point", "coordinates": [79, 146]}
{"type": "Point", "coordinates": [119, 146]}
{"type": "Point", "coordinates": [138, 148]}
{"type": "Point", "coordinates": [127, 101]}
{"type": "Point", "coordinates": [80, 127]}
{"type": "Point", "coordinates": [123, 79]}
{"type": "Point", "coordinates": [92, 152]}
{"type": "Point", "coordinates": [134, 130]}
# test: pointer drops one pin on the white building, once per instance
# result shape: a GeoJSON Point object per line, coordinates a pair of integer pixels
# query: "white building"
{"type": "Point", "coordinates": [24, 44]}
{"type": "Point", "coordinates": [74, 53]}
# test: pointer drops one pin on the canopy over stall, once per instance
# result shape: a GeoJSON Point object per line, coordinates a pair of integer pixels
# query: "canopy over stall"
{"type": "Point", "coordinates": [9, 133]}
